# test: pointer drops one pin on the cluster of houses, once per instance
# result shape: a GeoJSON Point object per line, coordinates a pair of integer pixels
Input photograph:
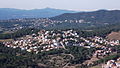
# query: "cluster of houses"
{"type": "Point", "coordinates": [43, 20]}
{"type": "Point", "coordinates": [101, 43]}
{"type": "Point", "coordinates": [104, 44]}
{"type": "Point", "coordinates": [88, 43]}
{"type": "Point", "coordinates": [103, 52]}
{"type": "Point", "coordinates": [112, 64]}
{"type": "Point", "coordinates": [17, 24]}
{"type": "Point", "coordinates": [105, 41]}
{"type": "Point", "coordinates": [46, 40]}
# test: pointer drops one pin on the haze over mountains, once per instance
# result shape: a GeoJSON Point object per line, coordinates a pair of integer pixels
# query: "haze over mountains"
{"type": "Point", "coordinates": [10, 13]}
{"type": "Point", "coordinates": [83, 20]}
{"type": "Point", "coordinates": [100, 16]}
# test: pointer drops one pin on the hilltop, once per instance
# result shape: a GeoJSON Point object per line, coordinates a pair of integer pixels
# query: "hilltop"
{"type": "Point", "coordinates": [100, 16]}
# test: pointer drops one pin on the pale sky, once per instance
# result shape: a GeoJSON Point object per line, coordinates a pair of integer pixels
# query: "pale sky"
{"type": "Point", "coordinates": [79, 5]}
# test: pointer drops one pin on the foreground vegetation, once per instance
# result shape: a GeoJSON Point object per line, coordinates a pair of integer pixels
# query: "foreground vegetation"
{"type": "Point", "coordinates": [72, 55]}
{"type": "Point", "coordinates": [15, 58]}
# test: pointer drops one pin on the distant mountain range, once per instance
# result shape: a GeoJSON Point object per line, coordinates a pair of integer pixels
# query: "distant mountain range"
{"type": "Point", "coordinates": [100, 16]}
{"type": "Point", "coordinates": [77, 20]}
{"type": "Point", "coordinates": [10, 13]}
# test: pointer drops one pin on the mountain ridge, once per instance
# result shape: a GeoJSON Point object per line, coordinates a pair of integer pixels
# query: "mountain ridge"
{"type": "Point", "coordinates": [12, 13]}
{"type": "Point", "coordinates": [100, 16]}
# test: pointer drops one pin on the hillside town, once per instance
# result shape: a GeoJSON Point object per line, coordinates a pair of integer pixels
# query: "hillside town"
{"type": "Point", "coordinates": [48, 40]}
{"type": "Point", "coordinates": [17, 24]}
{"type": "Point", "coordinates": [59, 34]}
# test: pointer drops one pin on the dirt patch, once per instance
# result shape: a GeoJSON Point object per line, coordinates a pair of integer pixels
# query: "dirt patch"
{"type": "Point", "coordinates": [113, 36]}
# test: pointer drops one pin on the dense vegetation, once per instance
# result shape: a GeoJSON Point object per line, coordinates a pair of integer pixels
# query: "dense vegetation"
{"type": "Point", "coordinates": [19, 33]}
{"type": "Point", "coordinates": [15, 58]}
{"type": "Point", "coordinates": [10, 58]}
{"type": "Point", "coordinates": [23, 32]}
{"type": "Point", "coordinates": [81, 54]}
{"type": "Point", "coordinates": [111, 57]}
{"type": "Point", "coordinates": [98, 31]}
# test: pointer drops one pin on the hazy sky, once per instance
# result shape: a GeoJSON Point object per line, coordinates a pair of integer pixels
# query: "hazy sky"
{"type": "Point", "coordinates": [80, 5]}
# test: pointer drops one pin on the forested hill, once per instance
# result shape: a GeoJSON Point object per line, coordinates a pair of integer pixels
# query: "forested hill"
{"type": "Point", "coordinates": [100, 16]}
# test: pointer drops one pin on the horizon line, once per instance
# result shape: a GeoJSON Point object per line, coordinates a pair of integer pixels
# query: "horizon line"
{"type": "Point", "coordinates": [60, 9]}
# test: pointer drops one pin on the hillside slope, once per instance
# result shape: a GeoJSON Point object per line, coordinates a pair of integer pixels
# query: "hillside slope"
{"type": "Point", "coordinates": [100, 16]}
{"type": "Point", "coordinates": [114, 36]}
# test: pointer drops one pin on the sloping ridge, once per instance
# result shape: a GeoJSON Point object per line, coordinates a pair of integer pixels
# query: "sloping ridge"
{"type": "Point", "coordinates": [100, 16]}
{"type": "Point", "coordinates": [114, 36]}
